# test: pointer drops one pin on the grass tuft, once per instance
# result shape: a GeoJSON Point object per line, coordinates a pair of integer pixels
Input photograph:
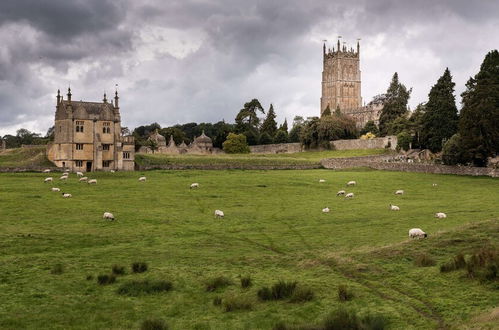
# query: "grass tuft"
{"type": "Point", "coordinates": [349, 319]}
{"type": "Point", "coordinates": [217, 301]}
{"type": "Point", "coordinates": [137, 288]}
{"type": "Point", "coordinates": [118, 270]}
{"type": "Point", "coordinates": [456, 263]}
{"type": "Point", "coordinates": [139, 267]}
{"type": "Point", "coordinates": [424, 260]}
{"type": "Point", "coordinates": [237, 303]}
{"type": "Point", "coordinates": [57, 269]}
{"type": "Point", "coordinates": [344, 293]}
{"type": "Point", "coordinates": [246, 282]}
{"type": "Point", "coordinates": [278, 291]}
{"type": "Point", "coordinates": [217, 283]}
{"type": "Point", "coordinates": [301, 295]}
{"type": "Point", "coordinates": [154, 324]}
{"type": "Point", "coordinates": [90, 277]}
{"type": "Point", "coordinates": [105, 279]}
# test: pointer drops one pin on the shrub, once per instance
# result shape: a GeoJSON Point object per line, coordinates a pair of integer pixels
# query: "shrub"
{"type": "Point", "coordinates": [137, 288]}
{"type": "Point", "coordinates": [105, 279]}
{"type": "Point", "coordinates": [139, 267]}
{"type": "Point", "coordinates": [265, 138]}
{"type": "Point", "coordinates": [155, 324]}
{"type": "Point", "coordinates": [217, 301]}
{"type": "Point", "coordinates": [344, 293]}
{"type": "Point", "coordinates": [302, 294]}
{"type": "Point", "coordinates": [216, 283]}
{"type": "Point", "coordinates": [281, 136]}
{"type": "Point", "coordinates": [280, 290]}
{"type": "Point", "coordinates": [118, 270]}
{"type": "Point", "coordinates": [237, 303]}
{"type": "Point", "coordinates": [57, 269]}
{"type": "Point", "coordinates": [424, 260]}
{"type": "Point", "coordinates": [236, 144]}
{"type": "Point", "coordinates": [453, 152]}
{"type": "Point", "coordinates": [246, 281]}
{"type": "Point", "coordinates": [404, 141]}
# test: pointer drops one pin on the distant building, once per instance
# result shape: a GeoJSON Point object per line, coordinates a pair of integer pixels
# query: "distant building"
{"type": "Point", "coordinates": [87, 136]}
{"type": "Point", "coordinates": [202, 145]}
{"type": "Point", "coordinates": [341, 85]}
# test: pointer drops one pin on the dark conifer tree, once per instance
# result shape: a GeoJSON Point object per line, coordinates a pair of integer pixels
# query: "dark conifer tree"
{"type": "Point", "coordinates": [269, 125]}
{"type": "Point", "coordinates": [395, 104]}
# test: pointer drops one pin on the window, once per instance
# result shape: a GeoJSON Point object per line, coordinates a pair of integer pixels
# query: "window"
{"type": "Point", "coordinates": [79, 146]}
{"type": "Point", "coordinates": [79, 126]}
{"type": "Point", "coordinates": [79, 163]}
{"type": "Point", "coordinates": [126, 154]}
{"type": "Point", "coordinates": [107, 127]}
{"type": "Point", "coordinates": [105, 147]}
{"type": "Point", "coordinates": [106, 163]}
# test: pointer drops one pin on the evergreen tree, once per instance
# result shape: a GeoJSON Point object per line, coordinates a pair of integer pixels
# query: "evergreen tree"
{"type": "Point", "coordinates": [370, 127]}
{"type": "Point", "coordinates": [269, 125]}
{"type": "Point", "coordinates": [416, 123]}
{"type": "Point", "coordinates": [281, 136]}
{"type": "Point", "coordinates": [265, 138]}
{"type": "Point", "coordinates": [440, 119]}
{"type": "Point", "coordinates": [327, 111]}
{"type": "Point", "coordinates": [395, 104]}
{"type": "Point", "coordinates": [479, 119]}
{"type": "Point", "coordinates": [247, 118]}
{"type": "Point", "coordinates": [284, 126]}
{"type": "Point", "coordinates": [294, 134]}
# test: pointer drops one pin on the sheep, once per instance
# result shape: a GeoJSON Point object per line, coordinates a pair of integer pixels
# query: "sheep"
{"type": "Point", "coordinates": [79, 173]}
{"type": "Point", "coordinates": [66, 195]}
{"type": "Point", "coordinates": [64, 177]}
{"type": "Point", "coordinates": [349, 195]}
{"type": "Point", "coordinates": [340, 193]}
{"type": "Point", "coordinates": [322, 181]}
{"type": "Point", "coordinates": [56, 189]}
{"type": "Point", "coordinates": [46, 171]}
{"type": "Point", "coordinates": [83, 179]}
{"type": "Point", "coordinates": [434, 185]}
{"type": "Point", "coordinates": [194, 185]}
{"type": "Point", "coordinates": [142, 179]}
{"type": "Point", "coordinates": [325, 210]}
{"type": "Point", "coordinates": [49, 179]}
{"type": "Point", "coordinates": [399, 192]}
{"type": "Point", "coordinates": [351, 183]}
{"type": "Point", "coordinates": [417, 233]}
{"type": "Point", "coordinates": [219, 214]}
{"type": "Point", "coordinates": [92, 181]}
{"type": "Point", "coordinates": [108, 216]}
{"type": "Point", "coordinates": [394, 208]}
{"type": "Point", "coordinates": [112, 171]}
{"type": "Point", "coordinates": [440, 215]}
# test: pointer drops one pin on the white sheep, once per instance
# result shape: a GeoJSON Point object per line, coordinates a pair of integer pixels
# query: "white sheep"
{"type": "Point", "coordinates": [56, 189]}
{"type": "Point", "coordinates": [417, 233]}
{"type": "Point", "coordinates": [434, 184]}
{"type": "Point", "coordinates": [399, 192]}
{"type": "Point", "coordinates": [46, 171]}
{"type": "Point", "coordinates": [112, 171]}
{"type": "Point", "coordinates": [79, 173]}
{"type": "Point", "coordinates": [83, 179]}
{"type": "Point", "coordinates": [219, 214]}
{"type": "Point", "coordinates": [349, 195]}
{"type": "Point", "coordinates": [351, 183]}
{"type": "Point", "coordinates": [341, 193]}
{"type": "Point", "coordinates": [64, 177]}
{"type": "Point", "coordinates": [108, 216]}
{"type": "Point", "coordinates": [66, 195]}
{"type": "Point", "coordinates": [49, 179]}
{"type": "Point", "coordinates": [325, 210]}
{"type": "Point", "coordinates": [394, 208]}
{"type": "Point", "coordinates": [92, 181]}
{"type": "Point", "coordinates": [322, 181]}
{"type": "Point", "coordinates": [440, 215]}
{"type": "Point", "coordinates": [194, 185]}
{"type": "Point", "coordinates": [142, 179]}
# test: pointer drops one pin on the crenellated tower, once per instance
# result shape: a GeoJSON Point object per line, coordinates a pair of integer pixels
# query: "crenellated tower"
{"type": "Point", "coordinates": [341, 81]}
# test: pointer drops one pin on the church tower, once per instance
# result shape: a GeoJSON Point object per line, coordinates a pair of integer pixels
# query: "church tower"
{"type": "Point", "coordinates": [341, 79]}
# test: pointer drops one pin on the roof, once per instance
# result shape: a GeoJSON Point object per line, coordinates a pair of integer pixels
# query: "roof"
{"type": "Point", "coordinates": [89, 110]}
{"type": "Point", "coordinates": [202, 139]}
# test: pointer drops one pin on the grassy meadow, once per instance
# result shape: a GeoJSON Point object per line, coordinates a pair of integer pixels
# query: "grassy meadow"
{"type": "Point", "coordinates": [54, 249]}
{"type": "Point", "coordinates": [22, 157]}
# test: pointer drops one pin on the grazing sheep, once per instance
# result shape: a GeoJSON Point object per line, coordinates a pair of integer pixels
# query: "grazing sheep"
{"type": "Point", "coordinates": [340, 193]}
{"type": "Point", "coordinates": [79, 173]}
{"type": "Point", "coordinates": [325, 210]}
{"type": "Point", "coordinates": [66, 195]}
{"type": "Point", "coordinates": [112, 171]}
{"type": "Point", "coordinates": [56, 189]}
{"type": "Point", "coordinates": [322, 181]}
{"type": "Point", "coordinates": [394, 208]}
{"type": "Point", "coordinates": [64, 177]}
{"type": "Point", "coordinates": [351, 183]}
{"type": "Point", "coordinates": [92, 181]}
{"type": "Point", "coordinates": [142, 179]}
{"type": "Point", "coordinates": [440, 215]}
{"type": "Point", "coordinates": [399, 192]}
{"type": "Point", "coordinates": [84, 179]}
{"type": "Point", "coordinates": [417, 233]}
{"type": "Point", "coordinates": [349, 195]}
{"type": "Point", "coordinates": [219, 214]}
{"type": "Point", "coordinates": [108, 216]}
{"type": "Point", "coordinates": [46, 171]}
{"type": "Point", "coordinates": [194, 185]}
{"type": "Point", "coordinates": [49, 179]}
{"type": "Point", "coordinates": [434, 184]}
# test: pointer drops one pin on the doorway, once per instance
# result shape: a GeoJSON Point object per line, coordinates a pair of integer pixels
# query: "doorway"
{"type": "Point", "coordinates": [89, 166]}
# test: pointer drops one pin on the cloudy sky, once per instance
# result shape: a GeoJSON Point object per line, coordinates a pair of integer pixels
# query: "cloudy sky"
{"type": "Point", "coordinates": [178, 61]}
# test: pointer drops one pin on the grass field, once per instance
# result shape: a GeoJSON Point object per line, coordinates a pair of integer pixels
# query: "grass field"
{"type": "Point", "coordinates": [22, 157]}
{"type": "Point", "coordinates": [273, 230]}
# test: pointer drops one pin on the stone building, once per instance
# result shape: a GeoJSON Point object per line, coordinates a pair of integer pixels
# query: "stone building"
{"type": "Point", "coordinates": [87, 136]}
{"type": "Point", "coordinates": [202, 145]}
{"type": "Point", "coordinates": [341, 85]}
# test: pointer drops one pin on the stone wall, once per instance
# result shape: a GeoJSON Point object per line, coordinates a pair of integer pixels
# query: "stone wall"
{"type": "Point", "coordinates": [376, 143]}
{"type": "Point", "coordinates": [385, 163]}
{"type": "Point", "coordinates": [226, 167]}
{"type": "Point", "coordinates": [280, 148]}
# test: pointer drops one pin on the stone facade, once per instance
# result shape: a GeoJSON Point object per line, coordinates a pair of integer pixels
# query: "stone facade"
{"type": "Point", "coordinates": [202, 145]}
{"type": "Point", "coordinates": [341, 85]}
{"type": "Point", "coordinates": [376, 143]}
{"type": "Point", "coordinates": [87, 136]}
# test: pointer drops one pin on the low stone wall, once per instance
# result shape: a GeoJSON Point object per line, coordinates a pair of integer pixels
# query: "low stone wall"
{"type": "Point", "coordinates": [226, 167]}
{"type": "Point", "coordinates": [382, 163]}
{"type": "Point", "coordinates": [30, 169]}
{"type": "Point", "coordinates": [376, 143]}
{"type": "Point", "coordinates": [279, 148]}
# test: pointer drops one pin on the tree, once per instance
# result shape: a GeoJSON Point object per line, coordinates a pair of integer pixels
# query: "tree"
{"type": "Point", "coordinates": [416, 124]}
{"type": "Point", "coordinates": [452, 152]}
{"type": "Point", "coordinates": [24, 136]}
{"type": "Point", "coordinates": [294, 134]}
{"type": "Point", "coordinates": [247, 118]}
{"type": "Point", "coordinates": [178, 134]}
{"type": "Point", "coordinates": [440, 119]}
{"type": "Point", "coordinates": [220, 132]}
{"type": "Point", "coordinates": [269, 125]}
{"type": "Point", "coordinates": [404, 140]}
{"type": "Point", "coordinates": [284, 126]}
{"type": "Point", "coordinates": [327, 111]}
{"type": "Point", "coordinates": [153, 145]}
{"type": "Point", "coordinates": [395, 104]}
{"type": "Point", "coordinates": [50, 133]}
{"type": "Point", "coordinates": [281, 136]}
{"type": "Point", "coordinates": [309, 133]}
{"type": "Point", "coordinates": [370, 127]}
{"type": "Point", "coordinates": [479, 119]}
{"type": "Point", "coordinates": [399, 125]}
{"type": "Point", "coordinates": [265, 138]}
{"type": "Point", "coordinates": [236, 144]}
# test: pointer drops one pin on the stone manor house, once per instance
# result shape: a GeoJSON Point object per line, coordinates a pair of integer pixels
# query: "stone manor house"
{"type": "Point", "coordinates": [87, 136]}
{"type": "Point", "coordinates": [341, 85]}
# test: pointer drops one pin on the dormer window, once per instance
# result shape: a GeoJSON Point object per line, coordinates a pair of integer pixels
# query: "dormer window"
{"type": "Point", "coordinates": [79, 126]}
{"type": "Point", "coordinates": [106, 129]}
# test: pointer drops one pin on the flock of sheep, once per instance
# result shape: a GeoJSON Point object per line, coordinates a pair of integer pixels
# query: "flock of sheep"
{"type": "Point", "coordinates": [413, 233]}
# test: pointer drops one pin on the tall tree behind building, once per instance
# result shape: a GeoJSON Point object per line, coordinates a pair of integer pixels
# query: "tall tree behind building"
{"type": "Point", "coordinates": [395, 104]}
{"type": "Point", "coordinates": [269, 125]}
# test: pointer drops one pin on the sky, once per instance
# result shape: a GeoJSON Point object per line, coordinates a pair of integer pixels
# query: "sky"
{"type": "Point", "coordinates": [180, 61]}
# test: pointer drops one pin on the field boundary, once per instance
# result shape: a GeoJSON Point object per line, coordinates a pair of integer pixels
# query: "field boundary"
{"type": "Point", "coordinates": [227, 167]}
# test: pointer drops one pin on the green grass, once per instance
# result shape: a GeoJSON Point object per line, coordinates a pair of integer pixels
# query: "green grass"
{"type": "Point", "coordinates": [273, 229]}
{"type": "Point", "coordinates": [23, 157]}
{"type": "Point", "coordinates": [299, 158]}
